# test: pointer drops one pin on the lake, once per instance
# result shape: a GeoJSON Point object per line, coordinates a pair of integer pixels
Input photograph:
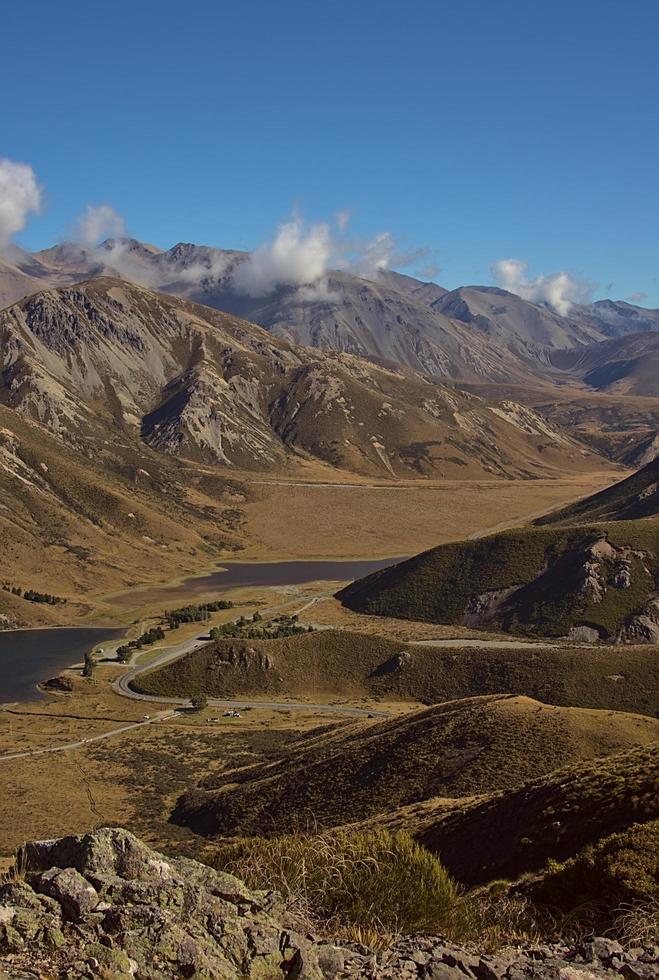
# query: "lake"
{"type": "Point", "coordinates": [30, 656]}
{"type": "Point", "coordinates": [238, 575]}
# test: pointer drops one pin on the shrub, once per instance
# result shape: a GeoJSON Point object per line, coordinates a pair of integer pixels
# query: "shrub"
{"type": "Point", "coordinates": [346, 881]}
{"type": "Point", "coordinates": [621, 869]}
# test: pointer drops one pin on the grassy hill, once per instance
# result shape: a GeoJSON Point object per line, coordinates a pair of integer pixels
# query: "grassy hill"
{"type": "Point", "coordinates": [535, 581]}
{"type": "Point", "coordinates": [332, 662]}
{"type": "Point", "coordinates": [637, 496]}
{"type": "Point", "coordinates": [551, 817]}
{"type": "Point", "coordinates": [458, 749]}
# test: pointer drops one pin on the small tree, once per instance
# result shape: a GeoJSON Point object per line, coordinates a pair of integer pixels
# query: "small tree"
{"type": "Point", "coordinates": [199, 702]}
{"type": "Point", "coordinates": [90, 665]}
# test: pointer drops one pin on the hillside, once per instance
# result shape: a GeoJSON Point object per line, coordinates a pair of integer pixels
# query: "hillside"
{"type": "Point", "coordinates": [637, 496]}
{"type": "Point", "coordinates": [457, 749]}
{"type": "Point", "coordinates": [529, 581]}
{"type": "Point", "coordinates": [188, 381]}
{"type": "Point", "coordinates": [340, 663]}
{"type": "Point", "coordinates": [627, 365]}
{"type": "Point", "coordinates": [73, 521]}
{"type": "Point", "coordinates": [622, 427]}
{"type": "Point", "coordinates": [551, 817]}
{"type": "Point", "coordinates": [527, 328]}
{"type": "Point", "coordinates": [616, 317]}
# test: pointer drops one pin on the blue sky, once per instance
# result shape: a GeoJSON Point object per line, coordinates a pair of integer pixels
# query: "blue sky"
{"type": "Point", "coordinates": [480, 129]}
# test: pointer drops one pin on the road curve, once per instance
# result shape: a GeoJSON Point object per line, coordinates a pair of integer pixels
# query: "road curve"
{"type": "Point", "coordinates": [122, 684]}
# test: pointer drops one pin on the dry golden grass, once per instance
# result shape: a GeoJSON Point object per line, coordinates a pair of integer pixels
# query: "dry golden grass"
{"type": "Point", "coordinates": [285, 520]}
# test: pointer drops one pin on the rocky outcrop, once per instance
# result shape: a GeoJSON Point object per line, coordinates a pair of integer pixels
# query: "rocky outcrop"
{"type": "Point", "coordinates": [104, 905]}
{"type": "Point", "coordinates": [643, 628]}
{"type": "Point", "coordinates": [244, 659]}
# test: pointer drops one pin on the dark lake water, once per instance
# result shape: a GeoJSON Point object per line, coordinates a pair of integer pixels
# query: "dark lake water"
{"type": "Point", "coordinates": [237, 575]}
{"type": "Point", "coordinates": [30, 656]}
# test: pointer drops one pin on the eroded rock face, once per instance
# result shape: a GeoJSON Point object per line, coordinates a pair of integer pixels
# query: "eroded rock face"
{"type": "Point", "coordinates": [643, 628]}
{"type": "Point", "coordinates": [105, 905]}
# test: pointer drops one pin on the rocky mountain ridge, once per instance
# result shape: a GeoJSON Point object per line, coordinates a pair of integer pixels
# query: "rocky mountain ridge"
{"type": "Point", "coordinates": [108, 356]}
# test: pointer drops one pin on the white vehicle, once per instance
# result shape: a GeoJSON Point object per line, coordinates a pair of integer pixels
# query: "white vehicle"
{"type": "Point", "coordinates": [146, 717]}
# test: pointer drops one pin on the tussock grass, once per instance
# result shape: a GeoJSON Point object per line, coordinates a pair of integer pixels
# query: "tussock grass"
{"type": "Point", "coordinates": [349, 884]}
{"type": "Point", "coordinates": [358, 771]}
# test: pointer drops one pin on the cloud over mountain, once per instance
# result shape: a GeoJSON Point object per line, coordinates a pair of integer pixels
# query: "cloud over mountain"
{"type": "Point", "coordinates": [559, 290]}
{"type": "Point", "coordinates": [99, 222]}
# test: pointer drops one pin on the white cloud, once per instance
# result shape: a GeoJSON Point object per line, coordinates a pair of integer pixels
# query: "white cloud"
{"type": "Point", "coordinates": [19, 195]}
{"type": "Point", "coordinates": [99, 222]}
{"type": "Point", "coordinates": [295, 257]}
{"type": "Point", "coordinates": [638, 298]}
{"type": "Point", "coordinates": [302, 257]}
{"type": "Point", "coordinates": [559, 290]}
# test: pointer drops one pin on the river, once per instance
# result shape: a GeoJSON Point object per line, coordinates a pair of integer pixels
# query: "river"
{"type": "Point", "coordinates": [30, 656]}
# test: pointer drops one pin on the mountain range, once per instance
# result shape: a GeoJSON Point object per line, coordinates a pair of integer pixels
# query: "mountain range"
{"type": "Point", "coordinates": [126, 360]}
{"type": "Point", "coordinates": [109, 357]}
{"type": "Point", "coordinates": [481, 338]}
{"type": "Point", "coordinates": [466, 334]}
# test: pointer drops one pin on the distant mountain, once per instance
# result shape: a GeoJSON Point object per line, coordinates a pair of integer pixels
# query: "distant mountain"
{"type": "Point", "coordinates": [626, 365]}
{"type": "Point", "coordinates": [616, 318]}
{"type": "Point", "coordinates": [473, 334]}
{"type": "Point", "coordinates": [523, 326]}
{"type": "Point", "coordinates": [108, 356]}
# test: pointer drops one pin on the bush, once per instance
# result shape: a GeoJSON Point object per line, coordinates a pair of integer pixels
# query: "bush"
{"type": "Point", "coordinates": [344, 882]}
{"type": "Point", "coordinates": [621, 869]}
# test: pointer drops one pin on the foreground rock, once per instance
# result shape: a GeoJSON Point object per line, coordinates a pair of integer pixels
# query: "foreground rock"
{"type": "Point", "coordinates": [105, 905]}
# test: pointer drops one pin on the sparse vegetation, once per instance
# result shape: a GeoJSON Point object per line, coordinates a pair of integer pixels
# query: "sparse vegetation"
{"type": "Point", "coordinates": [31, 595]}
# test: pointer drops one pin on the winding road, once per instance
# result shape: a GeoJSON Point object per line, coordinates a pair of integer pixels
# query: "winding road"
{"type": "Point", "coordinates": [122, 684]}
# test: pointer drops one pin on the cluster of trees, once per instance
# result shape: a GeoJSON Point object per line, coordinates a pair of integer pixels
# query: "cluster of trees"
{"type": "Point", "coordinates": [256, 629]}
{"type": "Point", "coordinates": [32, 595]}
{"type": "Point", "coordinates": [195, 614]}
{"type": "Point", "coordinates": [146, 639]}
